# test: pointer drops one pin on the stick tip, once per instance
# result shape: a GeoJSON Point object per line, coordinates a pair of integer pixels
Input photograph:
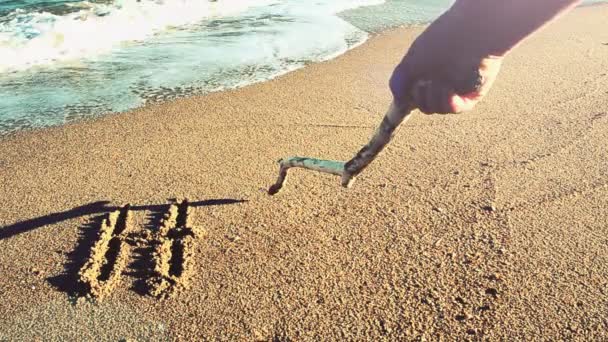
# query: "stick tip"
{"type": "Point", "coordinates": [273, 190]}
{"type": "Point", "coordinates": [347, 180]}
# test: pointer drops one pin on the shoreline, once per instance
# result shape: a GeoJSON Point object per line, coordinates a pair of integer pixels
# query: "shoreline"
{"type": "Point", "coordinates": [372, 35]}
{"type": "Point", "coordinates": [92, 118]}
{"type": "Point", "coordinates": [34, 130]}
{"type": "Point", "coordinates": [144, 94]}
{"type": "Point", "coordinates": [484, 225]}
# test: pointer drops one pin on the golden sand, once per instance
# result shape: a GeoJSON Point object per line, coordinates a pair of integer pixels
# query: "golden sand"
{"type": "Point", "coordinates": [488, 225]}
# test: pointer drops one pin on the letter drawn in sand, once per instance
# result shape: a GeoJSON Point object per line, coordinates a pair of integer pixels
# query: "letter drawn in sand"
{"type": "Point", "coordinates": [108, 258]}
{"type": "Point", "coordinates": [173, 254]}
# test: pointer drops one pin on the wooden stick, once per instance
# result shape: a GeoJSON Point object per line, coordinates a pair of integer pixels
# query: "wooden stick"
{"type": "Point", "coordinates": [349, 170]}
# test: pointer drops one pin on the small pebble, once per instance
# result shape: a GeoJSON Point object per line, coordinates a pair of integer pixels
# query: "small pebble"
{"type": "Point", "coordinates": [491, 208]}
{"type": "Point", "coordinates": [494, 277]}
{"type": "Point", "coordinates": [492, 292]}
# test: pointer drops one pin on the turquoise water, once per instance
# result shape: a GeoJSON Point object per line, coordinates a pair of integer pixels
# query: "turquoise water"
{"type": "Point", "coordinates": [61, 61]}
{"type": "Point", "coordinates": [65, 60]}
{"type": "Point", "coordinates": [395, 13]}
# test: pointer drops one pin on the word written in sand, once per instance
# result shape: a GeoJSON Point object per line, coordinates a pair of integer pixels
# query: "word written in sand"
{"type": "Point", "coordinates": [172, 256]}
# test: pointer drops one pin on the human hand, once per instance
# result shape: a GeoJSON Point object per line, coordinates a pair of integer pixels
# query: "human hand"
{"type": "Point", "coordinates": [445, 70]}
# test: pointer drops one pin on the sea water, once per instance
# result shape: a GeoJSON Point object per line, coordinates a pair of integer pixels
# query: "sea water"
{"type": "Point", "coordinates": [63, 60]}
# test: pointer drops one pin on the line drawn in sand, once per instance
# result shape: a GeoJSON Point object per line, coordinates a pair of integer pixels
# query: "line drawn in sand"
{"type": "Point", "coordinates": [109, 255]}
{"type": "Point", "coordinates": [173, 254]}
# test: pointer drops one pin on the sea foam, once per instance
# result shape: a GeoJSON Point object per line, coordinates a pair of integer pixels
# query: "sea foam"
{"type": "Point", "coordinates": [96, 58]}
{"type": "Point", "coordinates": [29, 39]}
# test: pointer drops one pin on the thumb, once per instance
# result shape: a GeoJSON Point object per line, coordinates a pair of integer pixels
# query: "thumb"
{"type": "Point", "coordinates": [463, 103]}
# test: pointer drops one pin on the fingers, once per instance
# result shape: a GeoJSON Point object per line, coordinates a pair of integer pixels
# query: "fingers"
{"type": "Point", "coordinates": [435, 97]}
{"type": "Point", "coordinates": [431, 97]}
{"type": "Point", "coordinates": [464, 103]}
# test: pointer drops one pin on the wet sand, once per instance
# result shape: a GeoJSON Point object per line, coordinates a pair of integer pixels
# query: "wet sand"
{"type": "Point", "coordinates": [488, 225]}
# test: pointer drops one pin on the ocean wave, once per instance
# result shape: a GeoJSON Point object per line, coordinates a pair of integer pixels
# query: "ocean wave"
{"type": "Point", "coordinates": [34, 38]}
{"type": "Point", "coordinates": [96, 68]}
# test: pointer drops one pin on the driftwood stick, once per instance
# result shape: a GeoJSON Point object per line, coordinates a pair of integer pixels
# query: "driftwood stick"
{"type": "Point", "coordinates": [349, 170]}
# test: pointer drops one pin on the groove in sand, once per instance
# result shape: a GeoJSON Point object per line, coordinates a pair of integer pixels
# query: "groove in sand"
{"type": "Point", "coordinates": [173, 254]}
{"type": "Point", "coordinates": [108, 258]}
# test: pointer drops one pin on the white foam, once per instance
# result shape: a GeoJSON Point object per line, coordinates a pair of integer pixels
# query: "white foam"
{"type": "Point", "coordinates": [30, 39]}
{"type": "Point", "coordinates": [109, 58]}
{"type": "Point", "coordinates": [293, 34]}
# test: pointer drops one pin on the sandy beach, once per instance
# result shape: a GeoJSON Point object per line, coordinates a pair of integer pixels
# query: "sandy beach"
{"type": "Point", "coordinates": [491, 225]}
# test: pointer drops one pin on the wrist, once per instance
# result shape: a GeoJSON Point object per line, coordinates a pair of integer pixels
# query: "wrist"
{"type": "Point", "coordinates": [476, 33]}
{"type": "Point", "coordinates": [495, 27]}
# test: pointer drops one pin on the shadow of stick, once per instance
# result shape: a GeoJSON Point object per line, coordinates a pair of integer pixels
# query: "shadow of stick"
{"type": "Point", "coordinates": [142, 265]}
{"type": "Point", "coordinates": [99, 207]}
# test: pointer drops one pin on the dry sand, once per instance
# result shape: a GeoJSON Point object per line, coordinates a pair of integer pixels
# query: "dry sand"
{"type": "Point", "coordinates": [489, 225]}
